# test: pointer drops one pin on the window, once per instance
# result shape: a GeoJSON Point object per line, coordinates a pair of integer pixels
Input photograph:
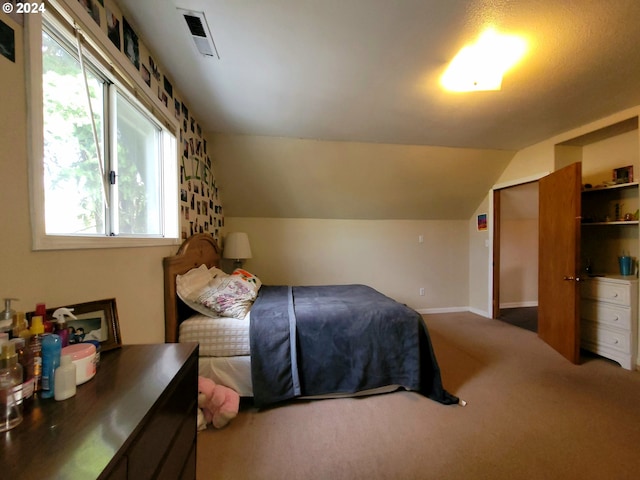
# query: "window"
{"type": "Point", "coordinates": [98, 181]}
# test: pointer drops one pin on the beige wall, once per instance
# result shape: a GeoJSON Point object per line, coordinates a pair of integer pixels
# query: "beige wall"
{"type": "Point", "coordinates": [479, 272]}
{"type": "Point", "coordinates": [539, 159]}
{"type": "Point", "coordinates": [529, 164]}
{"type": "Point", "coordinates": [301, 178]}
{"type": "Point", "coordinates": [384, 254]}
{"type": "Point", "coordinates": [518, 263]}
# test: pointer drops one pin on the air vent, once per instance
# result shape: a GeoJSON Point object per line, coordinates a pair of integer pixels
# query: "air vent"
{"type": "Point", "coordinates": [200, 33]}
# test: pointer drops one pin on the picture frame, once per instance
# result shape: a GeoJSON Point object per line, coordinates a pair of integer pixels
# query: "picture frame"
{"type": "Point", "coordinates": [482, 222]}
{"type": "Point", "coordinates": [623, 174]}
{"type": "Point", "coordinates": [98, 320]}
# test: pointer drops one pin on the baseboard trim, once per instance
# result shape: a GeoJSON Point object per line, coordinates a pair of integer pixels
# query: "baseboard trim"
{"type": "Point", "coordinates": [533, 303]}
{"type": "Point", "coordinates": [426, 311]}
{"type": "Point", "coordinates": [482, 313]}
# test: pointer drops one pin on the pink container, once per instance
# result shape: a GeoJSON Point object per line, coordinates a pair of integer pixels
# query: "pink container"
{"type": "Point", "coordinates": [83, 355]}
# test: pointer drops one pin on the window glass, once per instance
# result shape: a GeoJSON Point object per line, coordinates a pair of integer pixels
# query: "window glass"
{"type": "Point", "coordinates": [74, 199]}
{"type": "Point", "coordinates": [138, 177]}
{"type": "Point", "coordinates": [85, 194]}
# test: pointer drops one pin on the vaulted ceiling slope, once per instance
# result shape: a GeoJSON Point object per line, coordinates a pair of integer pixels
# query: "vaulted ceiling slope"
{"type": "Point", "coordinates": [299, 178]}
{"type": "Point", "coordinates": [366, 72]}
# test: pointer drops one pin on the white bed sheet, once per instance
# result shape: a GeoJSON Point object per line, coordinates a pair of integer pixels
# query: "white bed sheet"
{"type": "Point", "coordinates": [235, 373]}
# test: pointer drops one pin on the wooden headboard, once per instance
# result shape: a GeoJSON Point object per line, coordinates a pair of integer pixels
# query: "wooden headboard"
{"type": "Point", "coordinates": [194, 251]}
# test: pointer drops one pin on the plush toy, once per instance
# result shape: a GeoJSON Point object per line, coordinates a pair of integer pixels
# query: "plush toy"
{"type": "Point", "coordinates": [219, 404]}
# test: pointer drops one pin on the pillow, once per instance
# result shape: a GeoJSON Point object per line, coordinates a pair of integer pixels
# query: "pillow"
{"type": "Point", "coordinates": [248, 277]}
{"type": "Point", "coordinates": [216, 293]}
{"type": "Point", "coordinates": [194, 280]}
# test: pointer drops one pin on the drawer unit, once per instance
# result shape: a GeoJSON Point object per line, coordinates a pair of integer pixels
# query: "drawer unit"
{"type": "Point", "coordinates": [611, 292]}
{"type": "Point", "coordinates": [602, 338]}
{"type": "Point", "coordinates": [606, 314]}
{"type": "Point", "coordinates": [609, 318]}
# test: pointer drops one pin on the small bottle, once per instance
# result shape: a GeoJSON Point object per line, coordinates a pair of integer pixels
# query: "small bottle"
{"type": "Point", "coordinates": [41, 311]}
{"type": "Point", "coordinates": [65, 383]}
{"type": "Point", "coordinates": [25, 358]}
{"type": "Point", "coordinates": [50, 361]}
{"type": "Point", "coordinates": [6, 315]}
{"type": "Point", "coordinates": [10, 387]}
{"type": "Point", "coordinates": [61, 323]}
{"type": "Point", "coordinates": [19, 324]}
{"type": "Point", "coordinates": [62, 332]}
{"type": "Point", "coordinates": [37, 331]}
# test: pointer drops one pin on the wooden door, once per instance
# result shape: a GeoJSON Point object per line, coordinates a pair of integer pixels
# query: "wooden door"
{"type": "Point", "coordinates": [495, 299]}
{"type": "Point", "coordinates": [559, 261]}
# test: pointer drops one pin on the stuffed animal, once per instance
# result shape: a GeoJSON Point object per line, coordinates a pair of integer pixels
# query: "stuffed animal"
{"type": "Point", "coordinates": [219, 404]}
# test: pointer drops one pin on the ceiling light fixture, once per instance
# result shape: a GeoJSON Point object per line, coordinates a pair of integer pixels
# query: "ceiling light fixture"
{"type": "Point", "coordinates": [481, 66]}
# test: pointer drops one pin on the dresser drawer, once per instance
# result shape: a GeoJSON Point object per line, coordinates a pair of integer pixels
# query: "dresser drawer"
{"type": "Point", "coordinates": [606, 314]}
{"type": "Point", "coordinates": [605, 337]}
{"type": "Point", "coordinates": [171, 425]}
{"type": "Point", "coordinates": [606, 292]}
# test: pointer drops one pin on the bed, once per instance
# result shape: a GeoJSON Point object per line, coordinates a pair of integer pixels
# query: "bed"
{"type": "Point", "coordinates": [301, 341]}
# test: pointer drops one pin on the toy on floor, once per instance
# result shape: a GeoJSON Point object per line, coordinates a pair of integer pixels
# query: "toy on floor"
{"type": "Point", "coordinates": [217, 404]}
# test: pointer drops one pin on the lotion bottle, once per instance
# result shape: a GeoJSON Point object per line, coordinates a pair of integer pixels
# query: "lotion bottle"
{"type": "Point", "coordinates": [19, 324]}
{"type": "Point", "coordinates": [65, 384]}
{"type": "Point", "coordinates": [50, 361]}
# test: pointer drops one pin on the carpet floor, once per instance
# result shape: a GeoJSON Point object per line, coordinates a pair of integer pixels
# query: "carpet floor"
{"type": "Point", "coordinates": [530, 415]}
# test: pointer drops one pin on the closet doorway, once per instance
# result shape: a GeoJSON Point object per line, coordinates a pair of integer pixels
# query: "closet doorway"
{"type": "Point", "coordinates": [515, 252]}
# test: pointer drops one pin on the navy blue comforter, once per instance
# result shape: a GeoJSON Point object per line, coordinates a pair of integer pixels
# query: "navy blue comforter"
{"type": "Point", "coordinates": [331, 339]}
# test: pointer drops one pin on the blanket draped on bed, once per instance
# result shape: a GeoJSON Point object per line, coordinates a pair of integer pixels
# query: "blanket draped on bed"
{"type": "Point", "coordinates": [331, 339]}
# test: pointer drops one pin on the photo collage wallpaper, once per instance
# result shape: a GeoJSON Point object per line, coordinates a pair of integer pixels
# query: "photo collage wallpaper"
{"type": "Point", "coordinates": [200, 203]}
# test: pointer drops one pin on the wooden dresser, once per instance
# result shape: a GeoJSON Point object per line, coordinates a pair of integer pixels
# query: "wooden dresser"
{"type": "Point", "coordinates": [135, 419]}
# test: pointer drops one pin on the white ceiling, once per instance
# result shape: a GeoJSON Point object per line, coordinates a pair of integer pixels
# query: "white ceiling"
{"type": "Point", "coordinates": [367, 70]}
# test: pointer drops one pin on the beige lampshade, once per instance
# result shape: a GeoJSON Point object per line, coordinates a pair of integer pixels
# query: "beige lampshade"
{"type": "Point", "coordinates": [236, 246]}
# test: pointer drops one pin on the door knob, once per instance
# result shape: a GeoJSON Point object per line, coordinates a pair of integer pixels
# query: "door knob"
{"type": "Point", "coordinates": [577, 279]}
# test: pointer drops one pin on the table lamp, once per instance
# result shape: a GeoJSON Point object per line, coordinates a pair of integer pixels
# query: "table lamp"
{"type": "Point", "coordinates": [237, 248]}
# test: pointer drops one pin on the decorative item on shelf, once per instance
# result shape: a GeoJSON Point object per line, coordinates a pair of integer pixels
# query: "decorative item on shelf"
{"type": "Point", "coordinates": [237, 248]}
{"type": "Point", "coordinates": [589, 267]}
{"type": "Point", "coordinates": [623, 175]}
{"type": "Point", "coordinates": [627, 264]}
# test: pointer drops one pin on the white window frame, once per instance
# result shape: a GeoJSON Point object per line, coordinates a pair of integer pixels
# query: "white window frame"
{"type": "Point", "coordinates": [72, 11]}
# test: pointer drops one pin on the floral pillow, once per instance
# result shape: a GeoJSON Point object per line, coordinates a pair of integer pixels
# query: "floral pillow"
{"type": "Point", "coordinates": [215, 293]}
{"type": "Point", "coordinates": [248, 277]}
